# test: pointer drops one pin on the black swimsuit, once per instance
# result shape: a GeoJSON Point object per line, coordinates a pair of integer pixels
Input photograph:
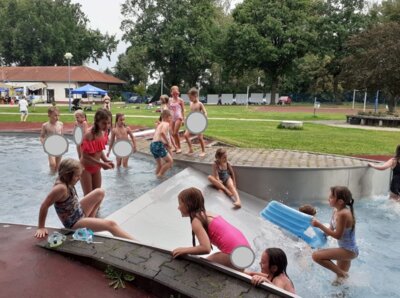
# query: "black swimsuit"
{"type": "Point", "coordinates": [395, 183]}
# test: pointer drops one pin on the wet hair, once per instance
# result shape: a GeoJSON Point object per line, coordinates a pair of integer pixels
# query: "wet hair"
{"type": "Point", "coordinates": [101, 114]}
{"type": "Point", "coordinates": [193, 92]}
{"type": "Point", "coordinates": [219, 153]}
{"type": "Point", "coordinates": [344, 194]}
{"type": "Point", "coordinates": [277, 257]}
{"type": "Point", "coordinates": [165, 114]}
{"type": "Point", "coordinates": [164, 99]}
{"type": "Point", "coordinates": [52, 110]}
{"type": "Point", "coordinates": [308, 209]}
{"type": "Point", "coordinates": [117, 116]}
{"type": "Point", "coordinates": [193, 200]}
{"type": "Point", "coordinates": [67, 169]}
{"type": "Point", "coordinates": [397, 156]}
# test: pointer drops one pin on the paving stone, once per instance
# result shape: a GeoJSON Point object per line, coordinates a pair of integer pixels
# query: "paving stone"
{"type": "Point", "coordinates": [121, 252]}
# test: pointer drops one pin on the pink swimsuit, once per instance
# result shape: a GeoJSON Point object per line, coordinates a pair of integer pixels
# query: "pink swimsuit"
{"type": "Point", "coordinates": [225, 236]}
{"type": "Point", "coordinates": [176, 110]}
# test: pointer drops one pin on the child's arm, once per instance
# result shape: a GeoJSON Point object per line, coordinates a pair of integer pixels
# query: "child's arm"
{"type": "Point", "coordinates": [62, 128]}
{"type": "Point", "coordinates": [112, 139]}
{"type": "Point", "coordinates": [203, 109]}
{"type": "Point", "coordinates": [341, 220]}
{"type": "Point", "coordinates": [58, 191]}
{"type": "Point", "coordinates": [164, 133]}
{"type": "Point", "coordinates": [204, 246]}
{"type": "Point", "coordinates": [132, 138]}
{"type": "Point", "coordinates": [215, 171]}
{"type": "Point", "coordinates": [182, 103]}
{"type": "Point", "coordinates": [232, 173]}
{"type": "Point", "coordinates": [252, 273]}
{"type": "Point", "coordinates": [43, 133]}
{"type": "Point", "coordinates": [258, 279]}
{"type": "Point", "coordinates": [388, 164]}
{"type": "Point", "coordinates": [85, 127]}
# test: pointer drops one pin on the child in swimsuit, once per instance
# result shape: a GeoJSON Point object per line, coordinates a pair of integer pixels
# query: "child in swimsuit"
{"type": "Point", "coordinates": [177, 108]}
{"type": "Point", "coordinates": [75, 214]}
{"type": "Point", "coordinates": [81, 121]}
{"type": "Point", "coordinates": [223, 177]}
{"type": "Point", "coordinates": [195, 106]}
{"type": "Point", "coordinates": [160, 144]}
{"type": "Point", "coordinates": [164, 99]}
{"type": "Point", "coordinates": [93, 157]}
{"type": "Point", "coordinates": [121, 132]}
{"type": "Point", "coordinates": [209, 229]}
{"type": "Point", "coordinates": [394, 164]}
{"type": "Point", "coordinates": [53, 126]}
{"type": "Point", "coordinates": [342, 228]}
{"type": "Point", "coordinates": [273, 270]}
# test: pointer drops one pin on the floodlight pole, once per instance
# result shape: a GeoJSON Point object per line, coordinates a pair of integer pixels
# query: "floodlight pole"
{"type": "Point", "coordinates": [354, 96]}
{"type": "Point", "coordinates": [162, 89]}
{"type": "Point", "coordinates": [69, 56]}
{"type": "Point", "coordinates": [365, 99]}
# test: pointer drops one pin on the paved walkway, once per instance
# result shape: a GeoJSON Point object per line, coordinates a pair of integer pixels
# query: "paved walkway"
{"type": "Point", "coordinates": [344, 124]}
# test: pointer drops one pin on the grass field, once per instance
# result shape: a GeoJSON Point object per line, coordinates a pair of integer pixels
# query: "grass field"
{"type": "Point", "coordinates": [250, 127]}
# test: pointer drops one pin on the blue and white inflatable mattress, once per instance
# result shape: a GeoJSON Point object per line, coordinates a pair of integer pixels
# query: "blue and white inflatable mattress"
{"type": "Point", "coordinates": [294, 221]}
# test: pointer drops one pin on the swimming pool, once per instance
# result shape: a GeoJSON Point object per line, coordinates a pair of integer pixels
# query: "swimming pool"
{"type": "Point", "coordinates": [25, 180]}
{"type": "Point", "coordinates": [376, 271]}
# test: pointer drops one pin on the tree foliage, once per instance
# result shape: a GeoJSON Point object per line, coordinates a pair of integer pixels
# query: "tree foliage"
{"type": "Point", "coordinates": [175, 36]}
{"type": "Point", "coordinates": [40, 32]}
{"type": "Point", "coordinates": [374, 61]}
{"type": "Point", "coordinates": [269, 35]}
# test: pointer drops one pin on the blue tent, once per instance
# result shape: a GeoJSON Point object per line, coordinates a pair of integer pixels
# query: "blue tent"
{"type": "Point", "coordinates": [88, 89]}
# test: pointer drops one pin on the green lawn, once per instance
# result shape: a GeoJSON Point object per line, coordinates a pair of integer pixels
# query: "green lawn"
{"type": "Point", "coordinates": [259, 134]}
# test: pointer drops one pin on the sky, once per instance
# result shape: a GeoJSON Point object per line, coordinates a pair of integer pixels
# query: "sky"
{"type": "Point", "coordinates": [105, 15]}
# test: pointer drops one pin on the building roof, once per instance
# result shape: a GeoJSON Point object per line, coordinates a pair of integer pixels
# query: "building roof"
{"type": "Point", "coordinates": [56, 74]}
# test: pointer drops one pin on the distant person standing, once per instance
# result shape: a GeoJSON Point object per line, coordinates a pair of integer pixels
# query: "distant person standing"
{"type": "Point", "coordinates": [107, 102]}
{"type": "Point", "coordinates": [23, 108]}
{"type": "Point", "coordinates": [219, 100]}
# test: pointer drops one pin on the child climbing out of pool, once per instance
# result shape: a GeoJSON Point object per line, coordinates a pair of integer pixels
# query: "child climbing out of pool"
{"type": "Point", "coordinates": [195, 106]}
{"type": "Point", "coordinates": [177, 108]}
{"type": "Point", "coordinates": [51, 127]}
{"type": "Point", "coordinates": [223, 177]}
{"type": "Point", "coordinates": [209, 229]}
{"type": "Point", "coordinates": [394, 164]}
{"type": "Point", "coordinates": [273, 270]}
{"type": "Point", "coordinates": [75, 214]}
{"type": "Point", "coordinates": [342, 228]}
{"type": "Point", "coordinates": [161, 142]}
{"type": "Point", "coordinates": [93, 158]}
{"type": "Point", "coordinates": [81, 122]}
{"type": "Point", "coordinates": [121, 132]}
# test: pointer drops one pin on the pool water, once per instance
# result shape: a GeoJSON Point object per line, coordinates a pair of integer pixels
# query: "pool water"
{"type": "Point", "coordinates": [376, 271]}
{"type": "Point", "coordinates": [25, 180]}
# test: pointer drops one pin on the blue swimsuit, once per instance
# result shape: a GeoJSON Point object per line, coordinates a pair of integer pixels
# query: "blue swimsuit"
{"type": "Point", "coordinates": [223, 175]}
{"type": "Point", "coordinates": [348, 240]}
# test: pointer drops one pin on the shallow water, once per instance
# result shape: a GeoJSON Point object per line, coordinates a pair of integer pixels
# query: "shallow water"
{"type": "Point", "coordinates": [25, 180]}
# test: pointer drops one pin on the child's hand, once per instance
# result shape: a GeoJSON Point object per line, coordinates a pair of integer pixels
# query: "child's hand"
{"type": "Point", "coordinates": [134, 149]}
{"type": "Point", "coordinates": [108, 165]}
{"type": "Point", "coordinates": [41, 233]}
{"type": "Point", "coordinates": [108, 154]}
{"type": "Point", "coordinates": [257, 279]}
{"type": "Point", "coordinates": [315, 222]}
{"type": "Point", "coordinates": [178, 252]}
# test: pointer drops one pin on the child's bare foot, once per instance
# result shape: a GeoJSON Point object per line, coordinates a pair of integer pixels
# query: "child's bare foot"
{"type": "Point", "coordinates": [178, 151]}
{"type": "Point", "coordinates": [202, 154]}
{"type": "Point", "coordinates": [190, 153]}
{"type": "Point", "coordinates": [340, 280]}
{"type": "Point", "coordinates": [237, 205]}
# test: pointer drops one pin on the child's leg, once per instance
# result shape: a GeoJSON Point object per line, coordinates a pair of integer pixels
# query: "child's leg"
{"type": "Point", "coordinates": [233, 190]}
{"type": "Point", "coordinates": [217, 184]}
{"type": "Point", "coordinates": [92, 201]}
{"type": "Point", "coordinates": [201, 140]}
{"type": "Point", "coordinates": [52, 163]}
{"type": "Point", "coordinates": [58, 161]}
{"type": "Point", "coordinates": [324, 257]}
{"type": "Point", "coordinates": [175, 131]}
{"type": "Point", "coordinates": [119, 161]}
{"type": "Point", "coordinates": [86, 182]}
{"type": "Point", "coordinates": [187, 138]}
{"type": "Point", "coordinates": [96, 180]}
{"type": "Point", "coordinates": [125, 162]}
{"type": "Point", "coordinates": [100, 224]}
{"type": "Point", "coordinates": [223, 259]}
{"type": "Point", "coordinates": [22, 117]}
{"type": "Point", "coordinates": [78, 149]}
{"type": "Point", "coordinates": [159, 164]}
{"type": "Point", "coordinates": [166, 166]}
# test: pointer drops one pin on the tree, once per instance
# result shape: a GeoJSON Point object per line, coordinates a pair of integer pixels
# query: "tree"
{"type": "Point", "coordinates": [374, 61]}
{"type": "Point", "coordinates": [40, 32]}
{"type": "Point", "coordinates": [175, 36]}
{"type": "Point", "coordinates": [339, 20]}
{"type": "Point", "coordinates": [269, 35]}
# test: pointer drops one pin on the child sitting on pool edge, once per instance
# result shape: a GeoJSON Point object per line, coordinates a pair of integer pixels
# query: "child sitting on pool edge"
{"type": "Point", "coordinates": [75, 214]}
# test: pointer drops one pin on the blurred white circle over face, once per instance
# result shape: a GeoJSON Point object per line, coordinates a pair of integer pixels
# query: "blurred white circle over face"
{"type": "Point", "coordinates": [78, 135]}
{"type": "Point", "coordinates": [122, 148]}
{"type": "Point", "coordinates": [196, 122]}
{"type": "Point", "coordinates": [55, 145]}
{"type": "Point", "coordinates": [242, 257]}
